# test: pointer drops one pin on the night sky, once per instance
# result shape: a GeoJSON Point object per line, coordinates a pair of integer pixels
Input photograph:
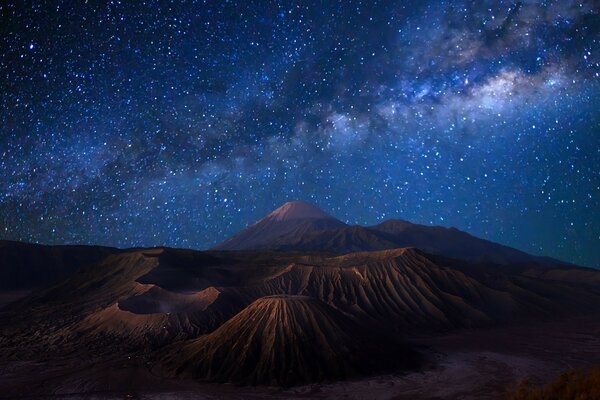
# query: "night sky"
{"type": "Point", "coordinates": [179, 122]}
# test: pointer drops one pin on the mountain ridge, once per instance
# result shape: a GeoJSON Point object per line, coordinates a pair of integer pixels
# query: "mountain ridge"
{"type": "Point", "coordinates": [328, 234]}
{"type": "Point", "coordinates": [185, 310]}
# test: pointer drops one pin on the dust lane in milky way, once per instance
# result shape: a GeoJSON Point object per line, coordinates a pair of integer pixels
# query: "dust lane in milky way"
{"type": "Point", "coordinates": [178, 123]}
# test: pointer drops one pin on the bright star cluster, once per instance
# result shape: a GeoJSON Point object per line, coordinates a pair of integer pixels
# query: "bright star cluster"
{"type": "Point", "coordinates": [177, 123]}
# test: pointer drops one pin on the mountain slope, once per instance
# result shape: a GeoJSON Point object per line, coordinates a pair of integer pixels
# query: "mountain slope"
{"type": "Point", "coordinates": [286, 340]}
{"type": "Point", "coordinates": [297, 226]}
{"type": "Point", "coordinates": [27, 265]}
{"type": "Point", "coordinates": [148, 298]}
{"type": "Point", "coordinates": [141, 301]}
{"type": "Point", "coordinates": [448, 242]}
{"type": "Point", "coordinates": [294, 219]}
{"type": "Point", "coordinates": [452, 243]}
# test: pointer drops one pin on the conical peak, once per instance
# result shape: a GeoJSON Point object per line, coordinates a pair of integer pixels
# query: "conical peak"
{"type": "Point", "coordinates": [295, 218]}
{"type": "Point", "coordinates": [297, 210]}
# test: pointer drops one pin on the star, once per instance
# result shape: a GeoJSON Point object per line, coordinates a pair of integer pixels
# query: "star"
{"type": "Point", "coordinates": [152, 124]}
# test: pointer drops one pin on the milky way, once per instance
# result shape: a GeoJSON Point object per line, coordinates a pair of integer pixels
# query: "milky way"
{"type": "Point", "coordinates": [178, 123]}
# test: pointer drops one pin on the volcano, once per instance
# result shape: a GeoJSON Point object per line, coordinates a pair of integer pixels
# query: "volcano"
{"type": "Point", "coordinates": [301, 227]}
{"type": "Point", "coordinates": [287, 340]}
{"type": "Point", "coordinates": [150, 298]}
{"type": "Point", "coordinates": [292, 220]}
{"type": "Point", "coordinates": [332, 302]}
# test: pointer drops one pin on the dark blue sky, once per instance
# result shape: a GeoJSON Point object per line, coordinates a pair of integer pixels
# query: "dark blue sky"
{"type": "Point", "coordinates": [178, 123]}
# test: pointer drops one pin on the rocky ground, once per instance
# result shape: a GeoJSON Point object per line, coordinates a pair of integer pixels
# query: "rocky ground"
{"type": "Point", "coordinates": [465, 365]}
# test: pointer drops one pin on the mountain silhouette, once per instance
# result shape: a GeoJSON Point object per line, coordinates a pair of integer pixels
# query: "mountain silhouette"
{"type": "Point", "coordinates": [298, 226]}
{"type": "Point", "coordinates": [294, 220]}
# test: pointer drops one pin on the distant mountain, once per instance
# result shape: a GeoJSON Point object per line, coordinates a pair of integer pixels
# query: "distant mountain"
{"type": "Point", "coordinates": [287, 340]}
{"type": "Point", "coordinates": [293, 220]}
{"type": "Point", "coordinates": [313, 230]}
{"type": "Point", "coordinates": [447, 242]}
{"type": "Point", "coordinates": [28, 266]}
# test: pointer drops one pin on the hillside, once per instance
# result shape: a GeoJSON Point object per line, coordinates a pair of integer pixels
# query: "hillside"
{"type": "Point", "coordinates": [287, 340]}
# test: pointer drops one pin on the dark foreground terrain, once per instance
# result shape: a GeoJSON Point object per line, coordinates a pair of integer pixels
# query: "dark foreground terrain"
{"type": "Point", "coordinates": [334, 312]}
{"type": "Point", "coordinates": [465, 365]}
{"type": "Point", "coordinates": [163, 323]}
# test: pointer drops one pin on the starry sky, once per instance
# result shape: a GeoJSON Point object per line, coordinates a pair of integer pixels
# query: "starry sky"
{"type": "Point", "coordinates": [179, 122]}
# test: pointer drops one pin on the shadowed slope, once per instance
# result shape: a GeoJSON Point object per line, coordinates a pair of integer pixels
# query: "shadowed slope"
{"type": "Point", "coordinates": [27, 265]}
{"type": "Point", "coordinates": [448, 242]}
{"type": "Point", "coordinates": [286, 340]}
{"type": "Point", "coordinates": [149, 298]}
{"type": "Point", "coordinates": [298, 226]}
{"type": "Point", "coordinates": [45, 320]}
{"type": "Point", "coordinates": [406, 290]}
{"type": "Point", "coordinates": [453, 243]}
